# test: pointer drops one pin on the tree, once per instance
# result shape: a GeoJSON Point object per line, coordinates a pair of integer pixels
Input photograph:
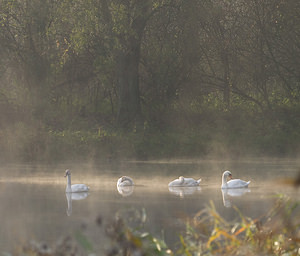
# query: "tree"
{"type": "Point", "coordinates": [28, 48]}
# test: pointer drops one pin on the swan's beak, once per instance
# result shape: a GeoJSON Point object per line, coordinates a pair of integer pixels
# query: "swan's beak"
{"type": "Point", "coordinates": [230, 176]}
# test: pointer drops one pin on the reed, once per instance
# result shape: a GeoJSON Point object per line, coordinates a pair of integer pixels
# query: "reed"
{"type": "Point", "coordinates": [275, 233]}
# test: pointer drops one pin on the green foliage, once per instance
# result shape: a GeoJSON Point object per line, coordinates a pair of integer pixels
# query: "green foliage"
{"type": "Point", "coordinates": [172, 77]}
{"type": "Point", "coordinates": [128, 240]}
{"type": "Point", "coordinates": [84, 242]}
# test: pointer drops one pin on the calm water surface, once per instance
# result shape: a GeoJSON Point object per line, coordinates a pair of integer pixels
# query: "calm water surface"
{"type": "Point", "coordinates": [34, 206]}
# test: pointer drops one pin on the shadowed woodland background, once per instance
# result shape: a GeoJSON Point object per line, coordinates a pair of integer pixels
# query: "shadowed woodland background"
{"type": "Point", "coordinates": [100, 79]}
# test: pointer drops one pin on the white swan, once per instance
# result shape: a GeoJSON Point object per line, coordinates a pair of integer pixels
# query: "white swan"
{"type": "Point", "coordinates": [232, 183]}
{"type": "Point", "coordinates": [75, 187]}
{"type": "Point", "coordinates": [184, 182]}
{"type": "Point", "coordinates": [125, 181]}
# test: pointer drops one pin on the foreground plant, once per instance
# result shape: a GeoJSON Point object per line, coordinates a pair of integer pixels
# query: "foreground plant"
{"type": "Point", "coordinates": [275, 233]}
{"type": "Point", "coordinates": [125, 232]}
{"type": "Point", "coordinates": [135, 242]}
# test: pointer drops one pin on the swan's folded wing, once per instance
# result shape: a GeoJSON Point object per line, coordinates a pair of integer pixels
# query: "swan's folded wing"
{"type": "Point", "coordinates": [175, 183]}
{"type": "Point", "coordinates": [237, 183]}
{"type": "Point", "coordinates": [79, 188]}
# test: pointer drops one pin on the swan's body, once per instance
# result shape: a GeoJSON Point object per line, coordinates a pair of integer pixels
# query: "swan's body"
{"type": "Point", "coordinates": [232, 183]}
{"type": "Point", "coordinates": [75, 188]}
{"type": "Point", "coordinates": [125, 181]}
{"type": "Point", "coordinates": [184, 182]}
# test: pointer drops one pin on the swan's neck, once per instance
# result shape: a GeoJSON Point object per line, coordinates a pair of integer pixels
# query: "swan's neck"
{"type": "Point", "coordinates": [181, 180]}
{"type": "Point", "coordinates": [69, 199]}
{"type": "Point", "coordinates": [224, 181]}
{"type": "Point", "coordinates": [68, 183]}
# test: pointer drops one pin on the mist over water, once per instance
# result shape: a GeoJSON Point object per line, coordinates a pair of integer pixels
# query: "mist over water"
{"type": "Point", "coordinates": [93, 81]}
{"type": "Point", "coordinates": [34, 205]}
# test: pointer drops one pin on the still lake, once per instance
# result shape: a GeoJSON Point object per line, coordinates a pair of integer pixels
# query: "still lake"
{"type": "Point", "coordinates": [34, 205]}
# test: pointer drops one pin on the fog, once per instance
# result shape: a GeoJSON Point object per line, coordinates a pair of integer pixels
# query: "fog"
{"type": "Point", "coordinates": [35, 205]}
{"type": "Point", "coordinates": [149, 90]}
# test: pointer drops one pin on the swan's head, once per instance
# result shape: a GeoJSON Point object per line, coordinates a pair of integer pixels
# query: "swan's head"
{"type": "Point", "coordinates": [68, 173]}
{"type": "Point", "coordinates": [181, 179]}
{"type": "Point", "coordinates": [125, 181]}
{"type": "Point", "coordinates": [123, 178]}
{"type": "Point", "coordinates": [227, 174]}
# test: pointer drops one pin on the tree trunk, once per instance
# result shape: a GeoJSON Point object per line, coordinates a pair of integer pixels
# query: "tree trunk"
{"type": "Point", "coordinates": [129, 109]}
{"type": "Point", "coordinates": [128, 58]}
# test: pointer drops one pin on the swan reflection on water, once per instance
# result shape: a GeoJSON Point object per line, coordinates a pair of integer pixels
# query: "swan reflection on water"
{"type": "Point", "coordinates": [125, 190]}
{"type": "Point", "coordinates": [76, 197]}
{"type": "Point", "coordinates": [183, 191]}
{"type": "Point", "coordinates": [228, 194]}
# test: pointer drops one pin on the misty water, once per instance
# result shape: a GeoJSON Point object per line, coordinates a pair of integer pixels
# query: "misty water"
{"type": "Point", "coordinates": [34, 205]}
